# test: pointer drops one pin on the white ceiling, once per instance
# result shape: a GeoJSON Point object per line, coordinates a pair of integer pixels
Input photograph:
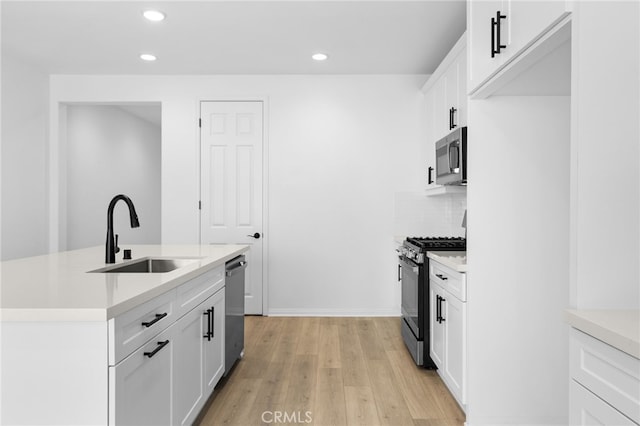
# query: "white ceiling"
{"type": "Point", "coordinates": [232, 37]}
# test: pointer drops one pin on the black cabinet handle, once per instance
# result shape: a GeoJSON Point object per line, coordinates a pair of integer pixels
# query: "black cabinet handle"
{"type": "Point", "coordinates": [496, 45]}
{"type": "Point", "coordinates": [442, 277]}
{"type": "Point", "coordinates": [399, 272]}
{"type": "Point", "coordinates": [430, 171]}
{"type": "Point", "coordinates": [208, 315]}
{"type": "Point", "coordinates": [438, 308]}
{"type": "Point", "coordinates": [453, 118]}
{"type": "Point", "coordinates": [155, 320]}
{"type": "Point", "coordinates": [156, 350]}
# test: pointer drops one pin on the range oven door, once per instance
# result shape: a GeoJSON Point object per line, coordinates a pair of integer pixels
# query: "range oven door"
{"type": "Point", "coordinates": [411, 296]}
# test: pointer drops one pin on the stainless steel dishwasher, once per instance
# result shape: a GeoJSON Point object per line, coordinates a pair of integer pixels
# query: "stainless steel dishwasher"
{"type": "Point", "coordinates": [234, 311]}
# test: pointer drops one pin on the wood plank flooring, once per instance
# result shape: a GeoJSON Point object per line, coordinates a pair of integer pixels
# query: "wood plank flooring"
{"type": "Point", "coordinates": [329, 371]}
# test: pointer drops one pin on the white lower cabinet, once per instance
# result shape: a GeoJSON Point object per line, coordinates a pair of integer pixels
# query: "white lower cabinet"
{"type": "Point", "coordinates": [198, 357]}
{"type": "Point", "coordinates": [588, 409]}
{"type": "Point", "coordinates": [140, 391]}
{"type": "Point", "coordinates": [455, 315]}
{"type": "Point", "coordinates": [436, 332]}
{"type": "Point", "coordinates": [448, 328]}
{"type": "Point", "coordinates": [605, 383]}
{"type": "Point", "coordinates": [168, 379]}
{"type": "Point", "coordinates": [214, 349]}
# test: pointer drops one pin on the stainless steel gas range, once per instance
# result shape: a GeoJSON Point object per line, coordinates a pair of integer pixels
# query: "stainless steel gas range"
{"type": "Point", "coordinates": [413, 272]}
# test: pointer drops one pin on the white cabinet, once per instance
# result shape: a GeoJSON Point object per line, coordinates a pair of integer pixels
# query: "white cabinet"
{"type": "Point", "coordinates": [605, 383]}
{"type": "Point", "coordinates": [445, 101]}
{"type": "Point", "coordinates": [436, 332]}
{"type": "Point", "coordinates": [500, 30]}
{"type": "Point", "coordinates": [588, 409]}
{"type": "Point", "coordinates": [167, 354]}
{"type": "Point", "coordinates": [140, 390]}
{"type": "Point", "coordinates": [199, 357]}
{"type": "Point", "coordinates": [214, 348]}
{"type": "Point", "coordinates": [448, 327]}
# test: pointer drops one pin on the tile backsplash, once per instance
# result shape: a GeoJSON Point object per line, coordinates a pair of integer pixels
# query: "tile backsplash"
{"type": "Point", "coordinates": [419, 215]}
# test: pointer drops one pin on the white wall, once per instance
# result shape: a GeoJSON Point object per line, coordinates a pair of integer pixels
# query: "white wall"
{"type": "Point", "coordinates": [108, 152]}
{"type": "Point", "coordinates": [339, 148]}
{"type": "Point", "coordinates": [24, 159]}
{"type": "Point", "coordinates": [518, 259]}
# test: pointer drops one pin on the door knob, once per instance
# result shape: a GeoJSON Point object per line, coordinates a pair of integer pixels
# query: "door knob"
{"type": "Point", "coordinates": [256, 235]}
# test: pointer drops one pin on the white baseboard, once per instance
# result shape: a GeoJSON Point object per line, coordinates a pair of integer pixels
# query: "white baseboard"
{"type": "Point", "coordinates": [314, 312]}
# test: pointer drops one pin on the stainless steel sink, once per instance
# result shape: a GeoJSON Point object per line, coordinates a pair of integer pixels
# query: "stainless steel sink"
{"type": "Point", "coordinates": [149, 265]}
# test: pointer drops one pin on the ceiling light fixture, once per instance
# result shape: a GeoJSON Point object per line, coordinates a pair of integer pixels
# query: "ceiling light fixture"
{"type": "Point", "coordinates": [154, 15]}
{"type": "Point", "coordinates": [148, 57]}
{"type": "Point", "coordinates": [319, 56]}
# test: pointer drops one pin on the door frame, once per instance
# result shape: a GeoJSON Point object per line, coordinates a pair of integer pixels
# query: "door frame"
{"type": "Point", "coordinates": [265, 184]}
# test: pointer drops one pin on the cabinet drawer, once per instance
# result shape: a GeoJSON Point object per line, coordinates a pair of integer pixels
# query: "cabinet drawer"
{"type": "Point", "coordinates": [606, 371]}
{"type": "Point", "coordinates": [129, 331]}
{"type": "Point", "coordinates": [588, 409]}
{"type": "Point", "coordinates": [192, 293]}
{"type": "Point", "coordinates": [140, 386]}
{"type": "Point", "coordinates": [452, 281]}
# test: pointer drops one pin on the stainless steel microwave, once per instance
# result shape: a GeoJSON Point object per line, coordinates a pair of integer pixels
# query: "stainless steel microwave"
{"type": "Point", "coordinates": [451, 158]}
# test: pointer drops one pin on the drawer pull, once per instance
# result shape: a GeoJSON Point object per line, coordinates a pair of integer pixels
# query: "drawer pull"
{"type": "Point", "coordinates": [442, 277]}
{"type": "Point", "coordinates": [209, 334]}
{"type": "Point", "coordinates": [156, 350]}
{"type": "Point", "coordinates": [155, 320]}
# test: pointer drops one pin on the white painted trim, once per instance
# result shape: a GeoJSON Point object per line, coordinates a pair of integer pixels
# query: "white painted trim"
{"type": "Point", "coordinates": [302, 312]}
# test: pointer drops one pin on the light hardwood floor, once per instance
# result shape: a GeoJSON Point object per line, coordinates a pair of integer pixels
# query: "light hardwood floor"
{"type": "Point", "coordinates": [329, 371]}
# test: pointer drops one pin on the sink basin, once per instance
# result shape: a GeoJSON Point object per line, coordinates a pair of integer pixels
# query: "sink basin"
{"type": "Point", "coordinates": [149, 265]}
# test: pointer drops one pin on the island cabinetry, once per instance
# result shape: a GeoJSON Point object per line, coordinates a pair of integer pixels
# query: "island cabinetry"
{"type": "Point", "coordinates": [127, 332]}
{"type": "Point", "coordinates": [605, 385]}
{"type": "Point", "coordinates": [168, 379]}
{"type": "Point", "coordinates": [448, 327]}
{"type": "Point", "coordinates": [140, 390]}
{"type": "Point", "coordinates": [500, 30]}
{"type": "Point", "coordinates": [198, 357]}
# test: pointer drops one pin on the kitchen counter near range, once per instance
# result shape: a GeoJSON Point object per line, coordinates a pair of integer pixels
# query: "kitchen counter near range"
{"type": "Point", "coordinates": [60, 286]}
{"type": "Point", "coordinates": [456, 260]}
{"type": "Point", "coordinates": [618, 328]}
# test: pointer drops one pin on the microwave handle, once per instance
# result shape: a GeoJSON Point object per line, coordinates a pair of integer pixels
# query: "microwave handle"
{"type": "Point", "coordinates": [430, 179]}
{"type": "Point", "coordinates": [455, 145]}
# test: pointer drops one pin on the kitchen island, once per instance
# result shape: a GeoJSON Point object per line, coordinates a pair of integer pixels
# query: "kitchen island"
{"type": "Point", "coordinates": [83, 347]}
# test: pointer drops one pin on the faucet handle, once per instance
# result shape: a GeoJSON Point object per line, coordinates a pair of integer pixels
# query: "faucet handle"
{"type": "Point", "coordinates": [117, 249]}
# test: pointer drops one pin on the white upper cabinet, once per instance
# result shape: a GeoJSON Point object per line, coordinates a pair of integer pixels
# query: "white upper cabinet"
{"type": "Point", "coordinates": [445, 95]}
{"type": "Point", "coordinates": [500, 30]}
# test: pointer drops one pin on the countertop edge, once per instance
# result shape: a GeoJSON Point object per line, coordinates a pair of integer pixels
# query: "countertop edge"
{"type": "Point", "coordinates": [609, 331]}
{"type": "Point", "coordinates": [440, 256]}
{"type": "Point", "coordinates": [102, 314]}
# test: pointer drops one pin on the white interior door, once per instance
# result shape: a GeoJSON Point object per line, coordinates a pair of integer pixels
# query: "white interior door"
{"type": "Point", "coordinates": [231, 139]}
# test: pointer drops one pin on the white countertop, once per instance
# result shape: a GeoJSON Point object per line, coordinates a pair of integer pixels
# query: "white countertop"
{"type": "Point", "coordinates": [456, 260]}
{"type": "Point", "coordinates": [58, 286]}
{"type": "Point", "coordinates": [618, 328]}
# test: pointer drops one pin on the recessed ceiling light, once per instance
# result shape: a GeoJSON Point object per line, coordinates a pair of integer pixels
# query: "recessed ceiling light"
{"type": "Point", "coordinates": [154, 15]}
{"type": "Point", "coordinates": [319, 57]}
{"type": "Point", "coordinates": [148, 57]}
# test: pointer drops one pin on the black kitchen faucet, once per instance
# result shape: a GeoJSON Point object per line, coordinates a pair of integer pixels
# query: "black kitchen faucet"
{"type": "Point", "coordinates": [112, 245]}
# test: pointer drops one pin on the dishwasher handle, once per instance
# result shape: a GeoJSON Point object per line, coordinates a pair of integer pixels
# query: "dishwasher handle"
{"type": "Point", "coordinates": [237, 268]}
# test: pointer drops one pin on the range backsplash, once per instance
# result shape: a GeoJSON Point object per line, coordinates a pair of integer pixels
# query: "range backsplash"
{"type": "Point", "coordinates": [419, 215]}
